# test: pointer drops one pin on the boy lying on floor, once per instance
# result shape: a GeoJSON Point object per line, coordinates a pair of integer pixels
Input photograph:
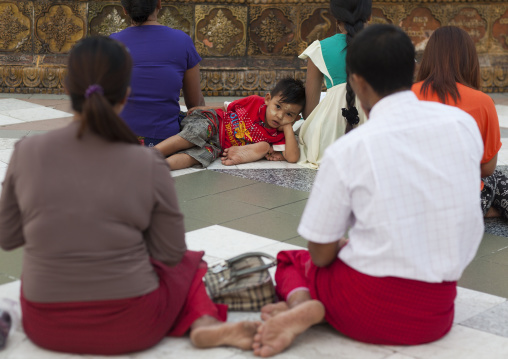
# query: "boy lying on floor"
{"type": "Point", "coordinates": [207, 133]}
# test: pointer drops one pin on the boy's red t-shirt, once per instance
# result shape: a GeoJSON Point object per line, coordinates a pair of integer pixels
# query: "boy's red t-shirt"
{"type": "Point", "coordinates": [243, 124]}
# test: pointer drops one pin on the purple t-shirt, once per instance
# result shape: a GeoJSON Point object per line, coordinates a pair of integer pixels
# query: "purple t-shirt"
{"type": "Point", "coordinates": [161, 56]}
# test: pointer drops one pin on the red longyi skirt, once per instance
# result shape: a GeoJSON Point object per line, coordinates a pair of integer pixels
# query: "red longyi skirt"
{"type": "Point", "coordinates": [377, 310]}
{"type": "Point", "coordinates": [110, 327]}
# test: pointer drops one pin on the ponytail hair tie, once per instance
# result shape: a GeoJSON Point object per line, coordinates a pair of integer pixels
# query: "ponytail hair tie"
{"type": "Point", "coordinates": [94, 89]}
{"type": "Point", "coordinates": [351, 115]}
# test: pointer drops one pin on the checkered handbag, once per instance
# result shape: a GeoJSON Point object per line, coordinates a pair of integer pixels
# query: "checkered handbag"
{"type": "Point", "coordinates": [242, 282]}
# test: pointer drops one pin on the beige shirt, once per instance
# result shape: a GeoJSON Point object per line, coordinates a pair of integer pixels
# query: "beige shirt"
{"type": "Point", "coordinates": [89, 213]}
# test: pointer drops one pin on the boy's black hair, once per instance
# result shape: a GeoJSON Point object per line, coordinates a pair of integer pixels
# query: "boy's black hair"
{"type": "Point", "coordinates": [384, 56]}
{"type": "Point", "coordinates": [290, 90]}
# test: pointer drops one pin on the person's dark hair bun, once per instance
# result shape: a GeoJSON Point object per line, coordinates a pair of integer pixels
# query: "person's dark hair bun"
{"type": "Point", "coordinates": [139, 10]}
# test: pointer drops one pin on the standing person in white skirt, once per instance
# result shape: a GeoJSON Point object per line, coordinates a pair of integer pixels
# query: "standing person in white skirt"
{"type": "Point", "coordinates": [337, 113]}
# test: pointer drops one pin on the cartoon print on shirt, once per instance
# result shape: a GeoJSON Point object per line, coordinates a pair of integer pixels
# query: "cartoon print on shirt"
{"type": "Point", "coordinates": [241, 132]}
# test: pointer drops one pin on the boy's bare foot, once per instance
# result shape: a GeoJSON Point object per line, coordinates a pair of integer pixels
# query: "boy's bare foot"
{"type": "Point", "coordinates": [279, 332]}
{"type": "Point", "coordinates": [275, 156]}
{"type": "Point", "coordinates": [240, 154]}
{"type": "Point", "coordinates": [271, 310]}
{"type": "Point", "coordinates": [239, 335]}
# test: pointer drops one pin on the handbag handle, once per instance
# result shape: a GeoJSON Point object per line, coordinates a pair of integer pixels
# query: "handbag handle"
{"type": "Point", "coordinates": [244, 272]}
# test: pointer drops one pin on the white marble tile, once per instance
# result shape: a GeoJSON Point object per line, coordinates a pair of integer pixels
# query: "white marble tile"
{"type": "Point", "coordinates": [10, 290]}
{"type": "Point", "coordinates": [323, 342]}
{"type": "Point", "coordinates": [7, 143]}
{"type": "Point", "coordinates": [399, 356]}
{"type": "Point", "coordinates": [35, 114]}
{"type": "Point", "coordinates": [15, 104]}
{"type": "Point", "coordinates": [470, 303]}
{"type": "Point", "coordinates": [223, 242]}
{"type": "Point", "coordinates": [217, 165]}
{"type": "Point", "coordinates": [185, 171]}
{"type": "Point", "coordinates": [503, 121]}
{"type": "Point", "coordinates": [502, 155]}
{"type": "Point", "coordinates": [502, 110]}
{"type": "Point", "coordinates": [5, 155]}
{"type": "Point", "coordinates": [264, 164]}
{"type": "Point", "coordinates": [502, 114]}
{"type": "Point", "coordinates": [504, 142]}
{"type": "Point", "coordinates": [460, 342]}
{"type": "Point", "coordinates": [7, 120]}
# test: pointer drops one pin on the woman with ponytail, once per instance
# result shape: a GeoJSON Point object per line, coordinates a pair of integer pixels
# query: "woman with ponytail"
{"type": "Point", "coordinates": [165, 63]}
{"type": "Point", "coordinates": [337, 113]}
{"type": "Point", "coordinates": [106, 269]}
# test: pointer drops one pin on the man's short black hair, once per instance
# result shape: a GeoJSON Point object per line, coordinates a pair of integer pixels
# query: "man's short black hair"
{"type": "Point", "coordinates": [384, 56]}
{"type": "Point", "coordinates": [290, 90]}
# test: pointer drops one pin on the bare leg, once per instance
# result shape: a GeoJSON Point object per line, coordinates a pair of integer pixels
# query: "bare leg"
{"type": "Point", "coordinates": [181, 160]}
{"type": "Point", "coordinates": [208, 332]}
{"type": "Point", "coordinates": [279, 332]}
{"type": "Point", "coordinates": [492, 213]}
{"type": "Point", "coordinates": [173, 144]}
{"type": "Point", "coordinates": [297, 297]}
{"type": "Point", "coordinates": [243, 154]}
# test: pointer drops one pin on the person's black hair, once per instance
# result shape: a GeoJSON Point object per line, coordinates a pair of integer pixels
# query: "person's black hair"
{"type": "Point", "coordinates": [290, 90]}
{"type": "Point", "coordinates": [353, 14]}
{"type": "Point", "coordinates": [98, 77]}
{"type": "Point", "coordinates": [384, 56]}
{"type": "Point", "coordinates": [139, 10]}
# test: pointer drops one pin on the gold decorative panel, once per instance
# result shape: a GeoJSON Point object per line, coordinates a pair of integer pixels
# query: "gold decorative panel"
{"type": "Point", "coordinates": [15, 26]}
{"type": "Point", "coordinates": [59, 26]}
{"type": "Point", "coordinates": [500, 32]}
{"type": "Point", "coordinates": [12, 76]}
{"type": "Point", "coordinates": [273, 30]}
{"type": "Point", "coordinates": [419, 25]}
{"type": "Point", "coordinates": [221, 31]}
{"type": "Point", "coordinates": [106, 18]}
{"type": "Point", "coordinates": [379, 17]}
{"type": "Point", "coordinates": [317, 23]}
{"type": "Point", "coordinates": [178, 17]}
{"type": "Point", "coordinates": [246, 45]}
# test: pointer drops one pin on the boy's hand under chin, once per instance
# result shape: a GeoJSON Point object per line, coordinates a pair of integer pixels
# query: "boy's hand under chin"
{"type": "Point", "coordinates": [285, 127]}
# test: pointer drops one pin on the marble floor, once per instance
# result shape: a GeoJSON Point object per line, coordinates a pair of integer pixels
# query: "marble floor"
{"type": "Point", "coordinates": [261, 205]}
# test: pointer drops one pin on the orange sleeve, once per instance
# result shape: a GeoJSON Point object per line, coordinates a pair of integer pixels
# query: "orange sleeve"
{"type": "Point", "coordinates": [491, 134]}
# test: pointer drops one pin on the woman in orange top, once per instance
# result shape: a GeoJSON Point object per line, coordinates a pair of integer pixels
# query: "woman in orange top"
{"type": "Point", "coordinates": [450, 73]}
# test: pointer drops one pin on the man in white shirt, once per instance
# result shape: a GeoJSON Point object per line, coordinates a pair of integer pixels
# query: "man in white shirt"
{"type": "Point", "coordinates": [405, 188]}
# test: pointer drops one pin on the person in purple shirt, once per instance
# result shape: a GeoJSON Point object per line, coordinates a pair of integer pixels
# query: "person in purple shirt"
{"type": "Point", "coordinates": [165, 62]}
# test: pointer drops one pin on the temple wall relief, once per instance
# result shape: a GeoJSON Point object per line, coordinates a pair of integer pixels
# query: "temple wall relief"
{"type": "Point", "coordinates": [246, 45]}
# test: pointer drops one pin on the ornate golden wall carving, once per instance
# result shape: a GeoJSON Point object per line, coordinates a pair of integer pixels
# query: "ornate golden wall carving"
{"type": "Point", "coordinates": [58, 26]}
{"type": "Point", "coordinates": [15, 26]}
{"type": "Point", "coordinates": [246, 45]}
{"type": "Point", "coordinates": [221, 30]}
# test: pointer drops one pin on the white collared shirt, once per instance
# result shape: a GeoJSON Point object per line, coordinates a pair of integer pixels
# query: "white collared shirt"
{"type": "Point", "coordinates": [405, 184]}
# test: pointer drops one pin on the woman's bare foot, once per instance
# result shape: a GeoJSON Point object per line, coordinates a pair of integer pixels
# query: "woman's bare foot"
{"type": "Point", "coordinates": [271, 310]}
{"type": "Point", "coordinates": [239, 335]}
{"type": "Point", "coordinates": [279, 332]}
